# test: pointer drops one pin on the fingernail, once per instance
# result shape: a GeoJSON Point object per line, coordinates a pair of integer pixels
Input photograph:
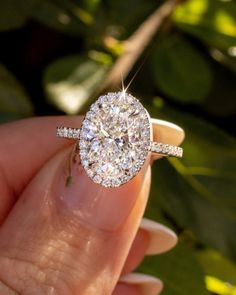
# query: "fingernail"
{"type": "Point", "coordinates": [148, 285]}
{"type": "Point", "coordinates": [167, 132]}
{"type": "Point", "coordinates": [161, 238]}
{"type": "Point", "coordinates": [105, 208]}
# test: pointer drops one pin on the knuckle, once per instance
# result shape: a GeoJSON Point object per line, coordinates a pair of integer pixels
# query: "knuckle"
{"type": "Point", "coordinates": [22, 276]}
{"type": "Point", "coordinates": [54, 258]}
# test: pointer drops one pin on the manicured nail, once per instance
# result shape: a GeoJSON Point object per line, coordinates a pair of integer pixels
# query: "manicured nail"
{"type": "Point", "coordinates": [167, 132]}
{"type": "Point", "coordinates": [161, 237]}
{"type": "Point", "coordinates": [105, 208]}
{"type": "Point", "coordinates": [148, 285]}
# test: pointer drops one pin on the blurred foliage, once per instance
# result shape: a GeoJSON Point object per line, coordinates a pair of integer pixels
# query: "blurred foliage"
{"type": "Point", "coordinates": [212, 21]}
{"type": "Point", "coordinates": [204, 181]}
{"type": "Point", "coordinates": [57, 54]}
{"type": "Point", "coordinates": [173, 64]}
{"type": "Point", "coordinates": [73, 77]}
{"type": "Point", "coordinates": [14, 101]}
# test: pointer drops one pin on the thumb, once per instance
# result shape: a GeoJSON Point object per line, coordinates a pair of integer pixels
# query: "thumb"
{"type": "Point", "coordinates": [68, 235]}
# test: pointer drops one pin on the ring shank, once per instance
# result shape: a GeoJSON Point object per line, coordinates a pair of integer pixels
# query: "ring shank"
{"type": "Point", "coordinates": [68, 132]}
{"type": "Point", "coordinates": [157, 148]}
{"type": "Point", "coordinates": [164, 149]}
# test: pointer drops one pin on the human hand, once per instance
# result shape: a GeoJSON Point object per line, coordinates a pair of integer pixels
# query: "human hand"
{"type": "Point", "coordinates": [76, 238]}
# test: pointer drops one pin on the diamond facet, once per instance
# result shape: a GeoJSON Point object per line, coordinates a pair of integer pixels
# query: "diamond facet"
{"type": "Point", "coordinates": [115, 139]}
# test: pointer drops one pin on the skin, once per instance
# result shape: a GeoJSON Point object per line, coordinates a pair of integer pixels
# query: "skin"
{"type": "Point", "coordinates": [49, 241]}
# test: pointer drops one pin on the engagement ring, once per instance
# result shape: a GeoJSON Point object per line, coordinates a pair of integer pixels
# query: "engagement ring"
{"type": "Point", "coordinates": [115, 138]}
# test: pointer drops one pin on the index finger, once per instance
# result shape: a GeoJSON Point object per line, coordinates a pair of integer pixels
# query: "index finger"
{"type": "Point", "coordinates": [25, 146]}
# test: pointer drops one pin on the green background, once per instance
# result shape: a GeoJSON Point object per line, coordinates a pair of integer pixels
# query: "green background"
{"type": "Point", "coordinates": [56, 57]}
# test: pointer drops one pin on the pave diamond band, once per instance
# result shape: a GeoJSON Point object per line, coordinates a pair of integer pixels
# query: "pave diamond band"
{"type": "Point", "coordinates": [155, 147]}
{"type": "Point", "coordinates": [68, 132]}
{"type": "Point", "coordinates": [115, 139]}
{"type": "Point", "coordinates": [166, 149]}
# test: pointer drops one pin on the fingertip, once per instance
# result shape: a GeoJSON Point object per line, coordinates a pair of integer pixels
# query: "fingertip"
{"type": "Point", "coordinates": [162, 239]}
{"type": "Point", "coordinates": [167, 132]}
{"type": "Point", "coordinates": [148, 285]}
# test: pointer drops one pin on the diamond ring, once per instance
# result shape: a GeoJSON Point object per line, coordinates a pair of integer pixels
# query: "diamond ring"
{"type": "Point", "coordinates": [115, 138]}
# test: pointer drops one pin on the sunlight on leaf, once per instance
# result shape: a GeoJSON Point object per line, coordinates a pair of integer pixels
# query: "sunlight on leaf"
{"type": "Point", "coordinates": [64, 18]}
{"type": "Point", "coordinates": [71, 81]}
{"type": "Point", "coordinates": [83, 15]}
{"type": "Point", "coordinates": [213, 21]}
{"type": "Point", "coordinates": [100, 57]}
{"type": "Point", "coordinates": [225, 23]}
{"type": "Point", "coordinates": [79, 13]}
{"type": "Point", "coordinates": [232, 51]}
{"type": "Point", "coordinates": [114, 46]}
{"type": "Point", "coordinates": [216, 286]}
{"type": "Point", "coordinates": [224, 58]}
{"type": "Point", "coordinates": [216, 265]}
{"type": "Point", "coordinates": [191, 11]}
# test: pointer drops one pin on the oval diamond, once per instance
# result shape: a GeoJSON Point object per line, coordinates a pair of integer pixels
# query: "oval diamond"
{"type": "Point", "coordinates": [115, 139]}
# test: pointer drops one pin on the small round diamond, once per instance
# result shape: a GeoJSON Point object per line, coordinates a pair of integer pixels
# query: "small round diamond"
{"type": "Point", "coordinates": [115, 139]}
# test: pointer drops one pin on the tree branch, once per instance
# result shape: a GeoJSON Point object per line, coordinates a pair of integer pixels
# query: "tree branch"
{"type": "Point", "coordinates": [136, 44]}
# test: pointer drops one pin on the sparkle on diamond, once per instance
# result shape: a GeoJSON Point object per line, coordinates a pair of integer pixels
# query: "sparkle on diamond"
{"type": "Point", "coordinates": [114, 139]}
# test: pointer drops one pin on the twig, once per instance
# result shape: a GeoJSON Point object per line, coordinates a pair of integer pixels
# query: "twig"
{"type": "Point", "coordinates": [136, 44]}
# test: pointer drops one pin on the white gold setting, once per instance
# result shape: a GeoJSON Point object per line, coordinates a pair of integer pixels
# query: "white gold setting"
{"type": "Point", "coordinates": [166, 149]}
{"type": "Point", "coordinates": [68, 132]}
{"type": "Point", "coordinates": [115, 139]}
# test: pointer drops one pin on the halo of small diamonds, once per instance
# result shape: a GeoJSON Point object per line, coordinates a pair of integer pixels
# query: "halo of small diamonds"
{"type": "Point", "coordinates": [115, 139]}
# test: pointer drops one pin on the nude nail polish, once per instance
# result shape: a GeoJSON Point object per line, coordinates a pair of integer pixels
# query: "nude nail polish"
{"type": "Point", "coordinates": [161, 238]}
{"type": "Point", "coordinates": [148, 285]}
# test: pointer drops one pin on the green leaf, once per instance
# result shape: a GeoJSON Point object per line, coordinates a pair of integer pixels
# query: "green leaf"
{"type": "Point", "coordinates": [71, 81]}
{"type": "Point", "coordinates": [221, 100]}
{"type": "Point", "coordinates": [14, 102]}
{"type": "Point", "coordinates": [11, 15]}
{"type": "Point", "coordinates": [219, 287]}
{"type": "Point", "coordinates": [227, 59]}
{"type": "Point", "coordinates": [57, 15]}
{"type": "Point", "coordinates": [181, 71]}
{"type": "Point", "coordinates": [133, 12]}
{"type": "Point", "coordinates": [215, 265]}
{"type": "Point", "coordinates": [91, 5]}
{"type": "Point", "coordinates": [200, 194]}
{"type": "Point", "coordinates": [213, 21]}
{"type": "Point", "coordinates": [61, 15]}
{"type": "Point", "coordinates": [179, 270]}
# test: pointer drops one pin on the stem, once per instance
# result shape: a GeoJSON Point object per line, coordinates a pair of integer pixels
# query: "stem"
{"type": "Point", "coordinates": [136, 44]}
